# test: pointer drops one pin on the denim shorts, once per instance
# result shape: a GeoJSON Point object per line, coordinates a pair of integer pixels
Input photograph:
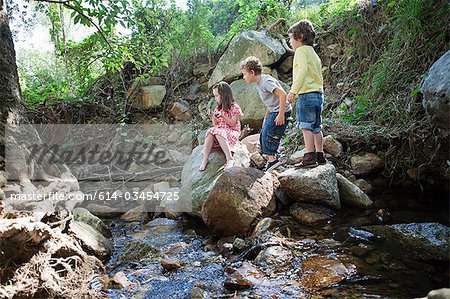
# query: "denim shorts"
{"type": "Point", "coordinates": [271, 134]}
{"type": "Point", "coordinates": [309, 111]}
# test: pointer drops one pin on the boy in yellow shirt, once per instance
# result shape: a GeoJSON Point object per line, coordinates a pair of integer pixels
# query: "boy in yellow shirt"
{"type": "Point", "coordinates": [307, 84]}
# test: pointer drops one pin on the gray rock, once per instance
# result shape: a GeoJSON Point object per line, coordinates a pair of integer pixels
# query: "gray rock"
{"type": "Point", "coordinates": [196, 185]}
{"type": "Point", "coordinates": [274, 256]}
{"type": "Point", "coordinates": [314, 185]}
{"type": "Point", "coordinates": [2, 179]}
{"type": "Point", "coordinates": [423, 241]}
{"type": "Point", "coordinates": [91, 240]}
{"type": "Point", "coordinates": [436, 92]}
{"type": "Point", "coordinates": [350, 194]}
{"type": "Point", "coordinates": [83, 215]}
{"type": "Point", "coordinates": [250, 43]}
{"type": "Point", "coordinates": [248, 99]}
{"type": "Point", "coordinates": [237, 198]}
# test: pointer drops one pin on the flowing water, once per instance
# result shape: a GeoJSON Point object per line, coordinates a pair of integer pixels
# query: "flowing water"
{"type": "Point", "coordinates": [339, 260]}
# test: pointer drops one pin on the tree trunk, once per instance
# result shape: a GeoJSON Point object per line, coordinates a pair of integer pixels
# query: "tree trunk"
{"type": "Point", "coordinates": [11, 106]}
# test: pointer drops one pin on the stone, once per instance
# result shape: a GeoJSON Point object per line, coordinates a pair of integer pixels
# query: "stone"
{"type": "Point", "coordinates": [286, 65]}
{"type": "Point", "coordinates": [201, 69]}
{"type": "Point", "coordinates": [243, 278]}
{"type": "Point", "coordinates": [258, 160]}
{"type": "Point", "coordinates": [332, 146]}
{"type": "Point", "coordinates": [311, 214]}
{"type": "Point", "coordinates": [171, 264]}
{"type": "Point", "coordinates": [150, 97]}
{"type": "Point", "coordinates": [322, 271]}
{"type": "Point", "coordinates": [436, 92]}
{"type": "Point", "coordinates": [122, 280]}
{"type": "Point", "coordinates": [247, 98]}
{"type": "Point", "coordinates": [138, 251]}
{"type": "Point", "coordinates": [103, 211]}
{"type": "Point", "coordinates": [83, 215]}
{"type": "Point", "coordinates": [362, 184]}
{"type": "Point", "coordinates": [236, 199]}
{"type": "Point", "coordinates": [365, 164]}
{"type": "Point", "coordinates": [136, 214]}
{"type": "Point", "coordinates": [252, 143]}
{"type": "Point", "coordinates": [91, 240]}
{"type": "Point", "coordinates": [180, 112]}
{"type": "Point", "coordinates": [161, 187]}
{"type": "Point", "coordinates": [313, 185]}
{"type": "Point", "coordinates": [196, 185]}
{"type": "Point", "coordinates": [274, 256]}
{"type": "Point", "coordinates": [297, 157]}
{"type": "Point", "coordinates": [249, 43]}
{"type": "Point", "coordinates": [443, 293]}
{"type": "Point", "coordinates": [351, 195]}
{"type": "Point", "coordinates": [421, 241]}
{"type": "Point", "coordinates": [2, 179]}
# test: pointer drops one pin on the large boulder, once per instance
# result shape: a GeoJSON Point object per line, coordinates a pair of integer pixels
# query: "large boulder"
{"type": "Point", "coordinates": [351, 194]}
{"type": "Point", "coordinates": [250, 43]}
{"type": "Point", "coordinates": [150, 97]}
{"type": "Point", "coordinates": [237, 198]}
{"type": "Point", "coordinates": [195, 184]}
{"type": "Point", "coordinates": [248, 99]}
{"type": "Point", "coordinates": [436, 92]}
{"type": "Point", "coordinates": [316, 185]}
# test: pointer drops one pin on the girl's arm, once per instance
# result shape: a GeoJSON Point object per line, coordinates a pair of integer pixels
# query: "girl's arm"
{"type": "Point", "coordinates": [231, 121]}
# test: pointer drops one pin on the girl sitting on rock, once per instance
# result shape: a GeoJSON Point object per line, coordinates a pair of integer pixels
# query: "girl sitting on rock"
{"type": "Point", "coordinates": [227, 127]}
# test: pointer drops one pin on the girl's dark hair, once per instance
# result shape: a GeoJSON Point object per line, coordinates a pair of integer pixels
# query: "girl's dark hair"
{"type": "Point", "coordinates": [226, 96]}
{"type": "Point", "coordinates": [303, 30]}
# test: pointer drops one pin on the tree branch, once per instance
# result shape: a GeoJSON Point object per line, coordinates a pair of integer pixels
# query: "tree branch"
{"type": "Point", "coordinates": [66, 4]}
{"type": "Point", "coordinates": [54, 1]}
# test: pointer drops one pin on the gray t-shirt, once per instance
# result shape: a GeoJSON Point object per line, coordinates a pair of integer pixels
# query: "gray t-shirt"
{"type": "Point", "coordinates": [265, 88]}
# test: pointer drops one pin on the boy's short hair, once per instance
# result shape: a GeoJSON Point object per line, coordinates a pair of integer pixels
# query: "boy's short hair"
{"type": "Point", "coordinates": [252, 63]}
{"type": "Point", "coordinates": [303, 29]}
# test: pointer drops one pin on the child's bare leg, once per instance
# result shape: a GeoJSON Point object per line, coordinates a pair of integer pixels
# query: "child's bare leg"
{"type": "Point", "coordinates": [207, 146]}
{"type": "Point", "coordinates": [318, 142]}
{"type": "Point", "coordinates": [308, 137]}
{"type": "Point", "coordinates": [226, 149]}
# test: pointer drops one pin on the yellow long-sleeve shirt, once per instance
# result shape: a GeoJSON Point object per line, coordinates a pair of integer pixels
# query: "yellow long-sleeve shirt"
{"type": "Point", "coordinates": [307, 71]}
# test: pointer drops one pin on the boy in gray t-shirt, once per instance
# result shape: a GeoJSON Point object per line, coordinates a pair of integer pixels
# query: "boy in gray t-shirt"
{"type": "Point", "coordinates": [278, 109]}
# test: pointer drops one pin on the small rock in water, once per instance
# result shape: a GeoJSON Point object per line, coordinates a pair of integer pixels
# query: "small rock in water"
{"type": "Point", "coordinates": [170, 264]}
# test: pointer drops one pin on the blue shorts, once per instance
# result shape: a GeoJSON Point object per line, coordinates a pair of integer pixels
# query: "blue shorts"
{"type": "Point", "coordinates": [271, 134]}
{"type": "Point", "coordinates": [309, 111]}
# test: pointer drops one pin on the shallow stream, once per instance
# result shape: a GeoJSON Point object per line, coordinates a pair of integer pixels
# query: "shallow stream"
{"type": "Point", "coordinates": [338, 260]}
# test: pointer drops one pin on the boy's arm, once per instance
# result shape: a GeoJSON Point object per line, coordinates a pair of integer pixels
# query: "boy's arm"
{"type": "Point", "coordinates": [281, 94]}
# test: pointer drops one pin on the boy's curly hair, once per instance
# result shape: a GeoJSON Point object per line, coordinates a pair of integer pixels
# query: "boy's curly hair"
{"type": "Point", "coordinates": [303, 30]}
{"type": "Point", "coordinates": [252, 63]}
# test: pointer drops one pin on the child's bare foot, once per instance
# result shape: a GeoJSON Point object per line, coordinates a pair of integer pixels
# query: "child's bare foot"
{"type": "Point", "coordinates": [203, 165]}
{"type": "Point", "coordinates": [230, 163]}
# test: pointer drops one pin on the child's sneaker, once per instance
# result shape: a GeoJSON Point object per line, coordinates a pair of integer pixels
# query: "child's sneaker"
{"type": "Point", "coordinates": [272, 165]}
